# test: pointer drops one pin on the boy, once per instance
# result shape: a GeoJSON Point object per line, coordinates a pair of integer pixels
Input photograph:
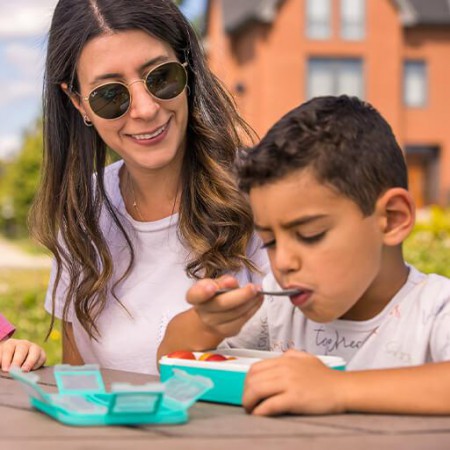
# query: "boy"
{"type": "Point", "coordinates": [328, 189]}
{"type": "Point", "coordinates": [16, 352]}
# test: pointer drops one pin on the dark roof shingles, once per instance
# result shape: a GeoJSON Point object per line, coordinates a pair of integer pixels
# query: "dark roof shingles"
{"type": "Point", "coordinates": [237, 13]}
{"type": "Point", "coordinates": [431, 12]}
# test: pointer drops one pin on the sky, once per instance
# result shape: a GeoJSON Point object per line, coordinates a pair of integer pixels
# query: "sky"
{"type": "Point", "coordinates": [23, 28]}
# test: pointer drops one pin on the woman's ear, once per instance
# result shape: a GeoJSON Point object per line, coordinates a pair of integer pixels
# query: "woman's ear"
{"type": "Point", "coordinates": [74, 98]}
{"type": "Point", "coordinates": [397, 213]}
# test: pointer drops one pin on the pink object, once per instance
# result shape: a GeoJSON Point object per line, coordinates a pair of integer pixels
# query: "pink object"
{"type": "Point", "coordinates": [6, 329]}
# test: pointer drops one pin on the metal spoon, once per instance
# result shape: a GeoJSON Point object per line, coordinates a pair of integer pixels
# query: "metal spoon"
{"type": "Point", "coordinates": [287, 292]}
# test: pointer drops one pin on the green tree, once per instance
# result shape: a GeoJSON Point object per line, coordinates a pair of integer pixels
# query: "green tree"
{"type": "Point", "coordinates": [21, 179]}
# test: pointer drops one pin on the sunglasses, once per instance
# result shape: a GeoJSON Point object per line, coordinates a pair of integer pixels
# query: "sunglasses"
{"type": "Point", "coordinates": [164, 82]}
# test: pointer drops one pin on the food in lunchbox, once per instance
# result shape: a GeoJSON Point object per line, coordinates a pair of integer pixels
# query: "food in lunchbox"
{"type": "Point", "coordinates": [185, 354]}
{"type": "Point", "coordinates": [212, 357]}
{"type": "Point", "coordinates": [182, 354]}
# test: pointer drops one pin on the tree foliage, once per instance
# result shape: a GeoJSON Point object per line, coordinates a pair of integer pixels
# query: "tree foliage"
{"type": "Point", "coordinates": [20, 179]}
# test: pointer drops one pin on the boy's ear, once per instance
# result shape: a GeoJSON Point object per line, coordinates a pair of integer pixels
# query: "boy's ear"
{"type": "Point", "coordinates": [397, 213]}
{"type": "Point", "coordinates": [74, 98]}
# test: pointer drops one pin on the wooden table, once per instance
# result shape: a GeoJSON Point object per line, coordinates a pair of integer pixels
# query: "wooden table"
{"type": "Point", "coordinates": [213, 427]}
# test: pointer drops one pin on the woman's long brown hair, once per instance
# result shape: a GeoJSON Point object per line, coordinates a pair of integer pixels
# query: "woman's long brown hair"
{"type": "Point", "coordinates": [215, 221]}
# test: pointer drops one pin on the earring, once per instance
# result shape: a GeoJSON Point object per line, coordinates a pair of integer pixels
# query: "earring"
{"type": "Point", "coordinates": [86, 121]}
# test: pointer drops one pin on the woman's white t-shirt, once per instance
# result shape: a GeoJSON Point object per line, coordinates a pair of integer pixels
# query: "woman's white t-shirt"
{"type": "Point", "coordinates": [150, 297]}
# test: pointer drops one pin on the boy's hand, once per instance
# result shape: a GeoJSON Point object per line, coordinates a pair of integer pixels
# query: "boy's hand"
{"type": "Point", "coordinates": [296, 383]}
{"type": "Point", "coordinates": [224, 314]}
{"type": "Point", "coordinates": [20, 353]}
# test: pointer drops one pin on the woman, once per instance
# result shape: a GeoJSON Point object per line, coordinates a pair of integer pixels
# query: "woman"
{"type": "Point", "coordinates": [131, 239]}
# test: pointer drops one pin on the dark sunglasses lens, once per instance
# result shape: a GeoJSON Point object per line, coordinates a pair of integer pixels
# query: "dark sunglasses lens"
{"type": "Point", "coordinates": [110, 101]}
{"type": "Point", "coordinates": [167, 81]}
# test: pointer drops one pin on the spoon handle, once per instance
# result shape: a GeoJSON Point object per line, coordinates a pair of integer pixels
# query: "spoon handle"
{"type": "Point", "coordinates": [286, 292]}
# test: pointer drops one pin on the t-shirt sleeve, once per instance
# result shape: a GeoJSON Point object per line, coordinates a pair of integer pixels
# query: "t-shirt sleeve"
{"type": "Point", "coordinates": [111, 182]}
{"type": "Point", "coordinates": [6, 329]}
{"type": "Point", "coordinates": [254, 334]}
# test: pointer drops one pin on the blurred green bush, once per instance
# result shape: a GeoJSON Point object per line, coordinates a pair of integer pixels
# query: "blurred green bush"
{"type": "Point", "coordinates": [428, 246]}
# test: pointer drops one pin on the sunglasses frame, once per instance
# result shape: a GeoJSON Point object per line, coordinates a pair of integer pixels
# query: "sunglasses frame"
{"type": "Point", "coordinates": [139, 80]}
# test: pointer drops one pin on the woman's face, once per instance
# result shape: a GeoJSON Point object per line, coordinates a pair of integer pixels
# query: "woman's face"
{"type": "Point", "coordinates": [151, 134]}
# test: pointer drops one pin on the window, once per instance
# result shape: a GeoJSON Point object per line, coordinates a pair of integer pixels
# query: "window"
{"type": "Point", "coordinates": [353, 19]}
{"type": "Point", "coordinates": [335, 77]}
{"type": "Point", "coordinates": [415, 84]}
{"type": "Point", "coordinates": [318, 19]}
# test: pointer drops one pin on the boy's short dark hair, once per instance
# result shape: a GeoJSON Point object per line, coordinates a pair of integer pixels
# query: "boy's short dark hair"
{"type": "Point", "coordinates": [345, 141]}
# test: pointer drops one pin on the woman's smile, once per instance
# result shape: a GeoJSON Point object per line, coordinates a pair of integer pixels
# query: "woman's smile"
{"type": "Point", "coordinates": [151, 137]}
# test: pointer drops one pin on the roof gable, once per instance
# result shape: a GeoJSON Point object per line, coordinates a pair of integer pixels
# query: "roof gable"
{"type": "Point", "coordinates": [238, 13]}
{"type": "Point", "coordinates": [424, 12]}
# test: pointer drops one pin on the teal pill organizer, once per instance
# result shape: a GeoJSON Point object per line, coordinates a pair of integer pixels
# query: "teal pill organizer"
{"type": "Point", "coordinates": [228, 376]}
{"type": "Point", "coordinates": [83, 401]}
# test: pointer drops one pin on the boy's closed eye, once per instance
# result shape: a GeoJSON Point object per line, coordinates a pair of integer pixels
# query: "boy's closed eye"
{"type": "Point", "coordinates": [306, 239]}
{"type": "Point", "coordinates": [268, 244]}
{"type": "Point", "coordinates": [312, 238]}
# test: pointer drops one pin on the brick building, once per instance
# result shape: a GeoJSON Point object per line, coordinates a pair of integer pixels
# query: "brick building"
{"type": "Point", "coordinates": [274, 54]}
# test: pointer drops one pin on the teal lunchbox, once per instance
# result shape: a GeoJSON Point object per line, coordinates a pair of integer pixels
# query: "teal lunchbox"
{"type": "Point", "coordinates": [82, 399]}
{"type": "Point", "coordinates": [229, 375]}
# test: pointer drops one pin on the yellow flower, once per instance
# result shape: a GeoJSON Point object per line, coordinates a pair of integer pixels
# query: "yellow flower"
{"type": "Point", "coordinates": [55, 335]}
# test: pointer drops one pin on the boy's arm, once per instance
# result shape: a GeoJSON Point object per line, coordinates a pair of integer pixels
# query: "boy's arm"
{"type": "Point", "coordinates": [186, 331]}
{"type": "Point", "coordinates": [212, 318]}
{"type": "Point", "coordinates": [421, 389]}
{"type": "Point", "coordinates": [299, 383]}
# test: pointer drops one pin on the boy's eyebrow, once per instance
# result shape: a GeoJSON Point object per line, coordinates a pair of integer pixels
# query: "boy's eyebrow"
{"type": "Point", "coordinates": [151, 62]}
{"type": "Point", "coordinates": [293, 223]}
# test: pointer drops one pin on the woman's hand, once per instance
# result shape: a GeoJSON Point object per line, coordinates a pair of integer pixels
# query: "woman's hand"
{"type": "Point", "coordinates": [20, 353]}
{"type": "Point", "coordinates": [224, 314]}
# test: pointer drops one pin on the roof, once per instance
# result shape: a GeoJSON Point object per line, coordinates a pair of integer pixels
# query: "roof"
{"type": "Point", "coordinates": [238, 13]}
{"type": "Point", "coordinates": [425, 12]}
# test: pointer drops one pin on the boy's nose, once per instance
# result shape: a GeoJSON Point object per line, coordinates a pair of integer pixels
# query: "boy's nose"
{"type": "Point", "coordinates": [143, 104]}
{"type": "Point", "coordinates": [286, 259]}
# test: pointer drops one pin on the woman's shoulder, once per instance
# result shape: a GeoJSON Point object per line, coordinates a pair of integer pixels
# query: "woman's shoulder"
{"type": "Point", "coordinates": [112, 170]}
{"type": "Point", "coordinates": [111, 179]}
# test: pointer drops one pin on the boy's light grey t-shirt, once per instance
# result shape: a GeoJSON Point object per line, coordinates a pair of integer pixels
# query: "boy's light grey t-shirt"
{"type": "Point", "coordinates": [414, 328]}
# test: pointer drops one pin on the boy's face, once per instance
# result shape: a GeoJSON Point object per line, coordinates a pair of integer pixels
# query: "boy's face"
{"type": "Point", "coordinates": [319, 241]}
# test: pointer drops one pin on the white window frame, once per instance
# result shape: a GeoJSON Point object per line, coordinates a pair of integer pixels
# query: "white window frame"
{"type": "Point", "coordinates": [415, 83]}
{"type": "Point", "coordinates": [318, 19]}
{"type": "Point", "coordinates": [333, 71]}
{"type": "Point", "coordinates": [353, 20]}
